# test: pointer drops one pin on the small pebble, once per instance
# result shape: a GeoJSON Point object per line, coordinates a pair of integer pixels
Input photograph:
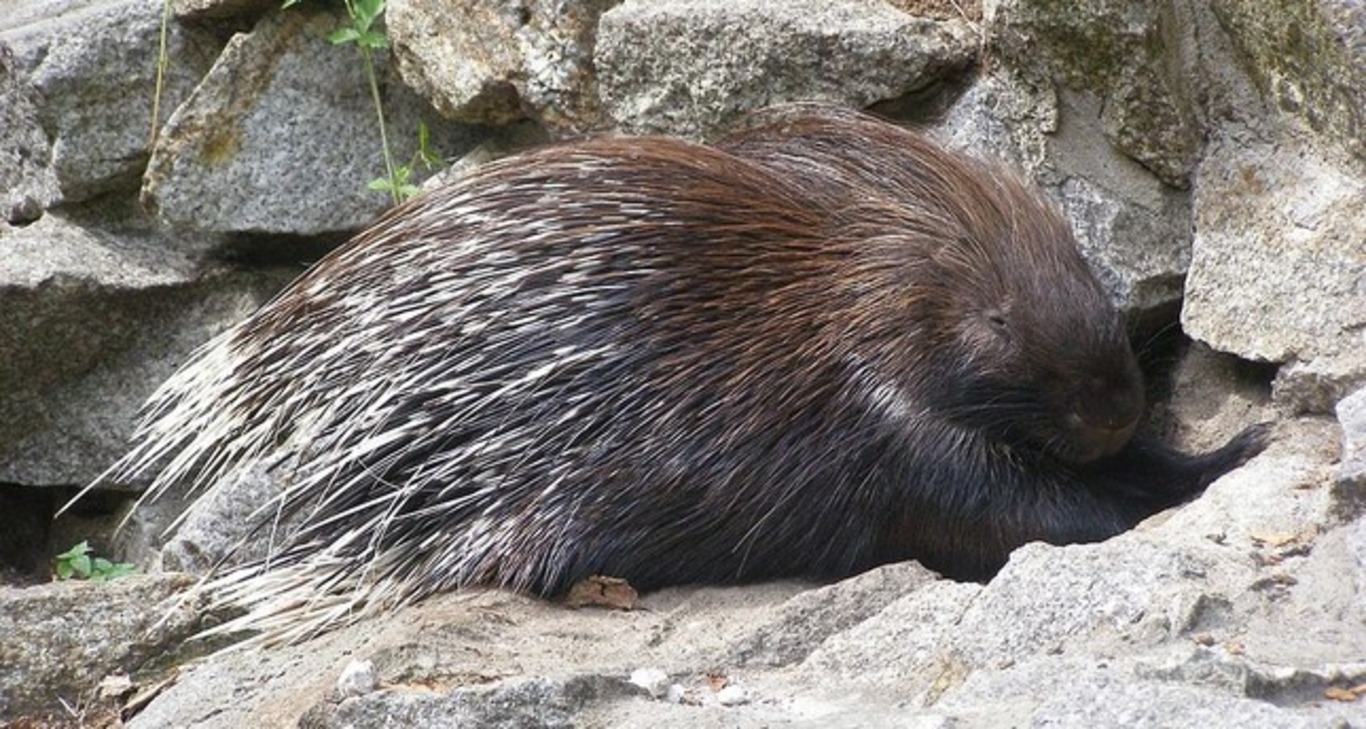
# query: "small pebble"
{"type": "Point", "coordinates": [676, 694]}
{"type": "Point", "coordinates": [357, 679]}
{"type": "Point", "coordinates": [732, 695]}
{"type": "Point", "coordinates": [652, 680]}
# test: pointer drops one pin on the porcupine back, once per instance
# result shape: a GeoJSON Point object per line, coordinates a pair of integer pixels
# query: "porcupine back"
{"type": "Point", "coordinates": [664, 362]}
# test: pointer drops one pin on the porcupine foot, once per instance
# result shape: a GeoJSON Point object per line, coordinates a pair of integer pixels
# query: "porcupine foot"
{"type": "Point", "coordinates": [1156, 476]}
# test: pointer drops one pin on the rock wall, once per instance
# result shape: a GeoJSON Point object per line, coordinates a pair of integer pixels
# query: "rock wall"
{"type": "Point", "coordinates": [1211, 157]}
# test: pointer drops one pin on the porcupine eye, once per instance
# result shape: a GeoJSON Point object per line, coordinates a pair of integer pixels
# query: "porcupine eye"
{"type": "Point", "coordinates": [997, 320]}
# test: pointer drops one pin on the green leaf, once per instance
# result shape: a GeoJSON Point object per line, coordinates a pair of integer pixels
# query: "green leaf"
{"type": "Point", "coordinates": [368, 10]}
{"type": "Point", "coordinates": [81, 565]}
{"type": "Point", "coordinates": [381, 184]}
{"type": "Point", "coordinates": [64, 570]}
{"type": "Point", "coordinates": [74, 552]}
{"type": "Point", "coordinates": [374, 40]}
{"type": "Point", "coordinates": [344, 35]}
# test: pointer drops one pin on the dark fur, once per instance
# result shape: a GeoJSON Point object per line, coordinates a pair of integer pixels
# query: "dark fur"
{"type": "Point", "coordinates": [823, 345]}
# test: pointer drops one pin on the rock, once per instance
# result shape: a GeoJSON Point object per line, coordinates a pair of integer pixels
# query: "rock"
{"type": "Point", "coordinates": [1316, 73]}
{"type": "Point", "coordinates": [1132, 227]}
{"type": "Point", "coordinates": [91, 70]}
{"type": "Point", "coordinates": [534, 702]}
{"type": "Point", "coordinates": [219, 530]}
{"type": "Point", "coordinates": [28, 184]}
{"type": "Point", "coordinates": [62, 638]}
{"type": "Point", "coordinates": [489, 62]}
{"type": "Point", "coordinates": [1268, 218]}
{"type": "Point", "coordinates": [655, 682]}
{"type": "Point", "coordinates": [1100, 693]}
{"type": "Point", "coordinates": [809, 618]}
{"type": "Point", "coordinates": [1349, 487]}
{"type": "Point", "coordinates": [92, 321]}
{"type": "Point", "coordinates": [281, 136]}
{"type": "Point", "coordinates": [1122, 53]}
{"type": "Point", "coordinates": [901, 644]}
{"type": "Point", "coordinates": [732, 695]}
{"type": "Point", "coordinates": [219, 10]}
{"type": "Point", "coordinates": [1212, 397]}
{"type": "Point", "coordinates": [357, 679]}
{"type": "Point", "coordinates": [688, 68]}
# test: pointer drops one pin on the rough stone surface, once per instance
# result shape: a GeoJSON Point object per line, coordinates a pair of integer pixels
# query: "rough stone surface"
{"type": "Point", "coordinates": [1307, 58]}
{"type": "Point", "coordinates": [61, 639]}
{"type": "Point", "coordinates": [807, 620]}
{"type": "Point", "coordinates": [689, 67]}
{"type": "Point", "coordinates": [1121, 51]}
{"type": "Point", "coordinates": [92, 321]}
{"type": "Point", "coordinates": [485, 61]}
{"type": "Point", "coordinates": [1349, 488]}
{"type": "Point", "coordinates": [219, 529]}
{"type": "Point", "coordinates": [1133, 227]}
{"type": "Point", "coordinates": [217, 10]}
{"type": "Point", "coordinates": [1269, 219]}
{"type": "Point", "coordinates": [27, 183]}
{"type": "Point", "coordinates": [91, 67]}
{"type": "Point", "coordinates": [281, 136]}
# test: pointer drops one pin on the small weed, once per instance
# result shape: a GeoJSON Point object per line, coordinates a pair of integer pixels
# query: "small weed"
{"type": "Point", "coordinates": [425, 156]}
{"type": "Point", "coordinates": [368, 39]}
{"type": "Point", "coordinates": [77, 563]}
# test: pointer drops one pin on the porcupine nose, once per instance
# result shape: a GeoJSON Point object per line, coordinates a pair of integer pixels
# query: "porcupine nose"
{"type": "Point", "coordinates": [1105, 417]}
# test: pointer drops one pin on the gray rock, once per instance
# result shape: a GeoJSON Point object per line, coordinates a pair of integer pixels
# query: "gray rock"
{"type": "Point", "coordinates": [91, 322]}
{"type": "Point", "coordinates": [1314, 386]}
{"type": "Point", "coordinates": [1278, 272]}
{"type": "Point", "coordinates": [357, 679]}
{"type": "Point", "coordinates": [655, 682]}
{"type": "Point", "coordinates": [485, 61]}
{"type": "Point", "coordinates": [901, 645]}
{"type": "Point", "coordinates": [1349, 487]}
{"type": "Point", "coordinates": [91, 68]}
{"type": "Point", "coordinates": [538, 702]}
{"type": "Point", "coordinates": [1132, 226]}
{"type": "Point", "coordinates": [804, 622]}
{"type": "Point", "coordinates": [1103, 693]}
{"type": "Point", "coordinates": [689, 67]}
{"type": "Point", "coordinates": [1121, 52]}
{"type": "Point", "coordinates": [28, 185]}
{"type": "Point", "coordinates": [220, 529]}
{"type": "Point", "coordinates": [61, 638]}
{"type": "Point", "coordinates": [218, 10]}
{"type": "Point", "coordinates": [1213, 396]}
{"type": "Point", "coordinates": [281, 136]}
{"type": "Point", "coordinates": [1316, 73]}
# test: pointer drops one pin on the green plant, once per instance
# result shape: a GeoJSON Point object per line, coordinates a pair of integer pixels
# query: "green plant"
{"type": "Point", "coordinates": [76, 563]}
{"type": "Point", "coordinates": [400, 185]}
{"type": "Point", "coordinates": [368, 39]}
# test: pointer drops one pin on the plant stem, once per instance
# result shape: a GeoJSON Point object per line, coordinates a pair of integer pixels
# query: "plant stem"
{"type": "Point", "coordinates": [383, 132]}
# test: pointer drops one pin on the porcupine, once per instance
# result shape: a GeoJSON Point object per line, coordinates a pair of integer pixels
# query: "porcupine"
{"type": "Point", "coordinates": [816, 346]}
